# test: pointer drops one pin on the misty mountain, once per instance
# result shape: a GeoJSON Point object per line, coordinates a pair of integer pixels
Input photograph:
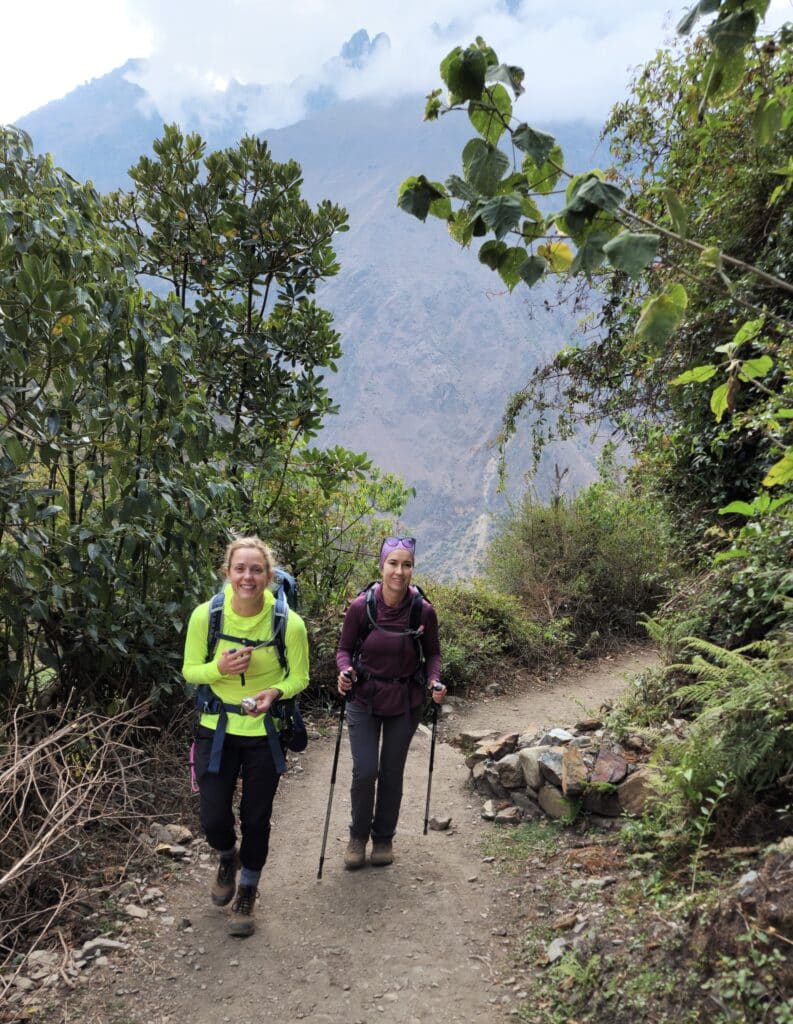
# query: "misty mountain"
{"type": "Point", "coordinates": [433, 343]}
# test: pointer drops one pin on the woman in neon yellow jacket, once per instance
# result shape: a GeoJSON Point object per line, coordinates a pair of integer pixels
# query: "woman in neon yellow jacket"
{"type": "Point", "coordinates": [232, 742]}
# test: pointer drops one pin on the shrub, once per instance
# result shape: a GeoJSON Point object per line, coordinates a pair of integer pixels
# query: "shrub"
{"type": "Point", "coordinates": [601, 560]}
{"type": "Point", "coordinates": [481, 630]}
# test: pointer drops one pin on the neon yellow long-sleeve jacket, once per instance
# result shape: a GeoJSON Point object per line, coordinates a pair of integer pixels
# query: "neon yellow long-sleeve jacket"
{"type": "Point", "coordinates": [264, 670]}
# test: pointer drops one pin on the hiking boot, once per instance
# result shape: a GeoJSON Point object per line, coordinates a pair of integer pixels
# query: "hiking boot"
{"type": "Point", "coordinates": [241, 921]}
{"type": "Point", "coordinates": [382, 853]}
{"type": "Point", "coordinates": [355, 854]}
{"type": "Point", "coordinates": [222, 891]}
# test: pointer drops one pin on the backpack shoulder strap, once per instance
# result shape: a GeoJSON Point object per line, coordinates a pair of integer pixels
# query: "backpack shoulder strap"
{"type": "Point", "coordinates": [287, 588]}
{"type": "Point", "coordinates": [215, 627]}
{"type": "Point", "coordinates": [414, 623]}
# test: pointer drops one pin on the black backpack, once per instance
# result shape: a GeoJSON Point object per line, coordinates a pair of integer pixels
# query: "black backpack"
{"type": "Point", "coordinates": [415, 628]}
{"type": "Point", "coordinates": [292, 733]}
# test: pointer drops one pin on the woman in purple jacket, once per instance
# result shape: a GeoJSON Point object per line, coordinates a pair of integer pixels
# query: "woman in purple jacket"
{"type": "Point", "coordinates": [385, 677]}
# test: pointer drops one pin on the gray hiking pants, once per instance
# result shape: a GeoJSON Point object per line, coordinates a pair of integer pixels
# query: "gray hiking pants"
{"type": "Point", "coordinates": [379, 751]}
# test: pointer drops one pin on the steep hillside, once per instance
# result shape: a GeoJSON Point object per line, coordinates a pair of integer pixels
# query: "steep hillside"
{"type": "Point", "coordinates": [433, 344]}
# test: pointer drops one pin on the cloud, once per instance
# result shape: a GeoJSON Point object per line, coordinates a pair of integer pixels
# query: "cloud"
{"type": "Point", "coordinates": [577, 56]}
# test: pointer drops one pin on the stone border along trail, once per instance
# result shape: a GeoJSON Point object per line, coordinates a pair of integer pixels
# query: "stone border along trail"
{"type": "Point", "coordinates": [420, 941]}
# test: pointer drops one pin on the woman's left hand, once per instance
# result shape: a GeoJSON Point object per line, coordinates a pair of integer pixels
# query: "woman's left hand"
{"type": "Point", "coordinates": [265, 700]}
{"type": "Point", "coordinates": [437, 689]}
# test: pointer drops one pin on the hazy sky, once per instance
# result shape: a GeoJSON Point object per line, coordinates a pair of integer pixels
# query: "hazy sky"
{"type": "Point", "coordinates": [576, 54]}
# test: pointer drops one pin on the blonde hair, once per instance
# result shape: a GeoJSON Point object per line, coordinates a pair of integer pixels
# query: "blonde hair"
{"type": "Point", "coordinates": [249, 542]}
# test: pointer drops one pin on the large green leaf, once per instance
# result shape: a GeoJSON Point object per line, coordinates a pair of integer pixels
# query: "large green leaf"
{"type": "Point", "coordinates": [416, 194]}
{"type": "Point", "coordinates": [557, 254]}
{"type": "Point", "coordinates": [676, 210]}
{"type": "Point", "coordinates": [697, 375]}
{"type": "Point", "coordinates": [532, 269]}
{"type": "Point", "coordinates": [537, 144]}
{"type": "Point", "coordinates": [490, 115]}
{"type": "Point", "coordinates": [492, 253]}
{"type": "Point", "coordinates": [781, 472]}
{"type": "Point", "coordinates": [753, 368]}
{"type": "Point", "coordinates": [590, 253]}
{"type": "Point", "coordinates": [463, 71]}
{"type": "Point", "coordinates": [733, 33]}
{"type": "Point", "coordinates": [510, 266]}
{"type": "Point", "coordinates": [631, 251]}
{"type": "Point", "coordinates": [484, 166]}
{"type": "Point", "coordinates": [596, 193]}
{"type": "Point", "coordinates": [460, 189]}
{"type": "Point", "coordinates": [661, 315]}
{"type": "Point", "coordinates": [502, 214]}
{"type": "Point", "coordinates": [720, 401]}
{"type": "Point", "coordinates": [543, 178]}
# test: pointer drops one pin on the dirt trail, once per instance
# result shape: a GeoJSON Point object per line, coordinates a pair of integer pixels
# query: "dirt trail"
{"type": "Point", "coordinates": [415, 942]}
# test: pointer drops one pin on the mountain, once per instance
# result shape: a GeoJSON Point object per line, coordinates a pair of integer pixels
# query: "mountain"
{"type": "Point", "coordinates": [433, 343]}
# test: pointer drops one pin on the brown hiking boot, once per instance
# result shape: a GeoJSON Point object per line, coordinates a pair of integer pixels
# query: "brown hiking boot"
{"type": "Point", "coordinates": [355, 854]}
{"type": "Point", "coordinates": [382, 853]}
{"type": "Point", "coordinates": [241, 921]}
{"type": "Point", "coordinates": [222, 891]}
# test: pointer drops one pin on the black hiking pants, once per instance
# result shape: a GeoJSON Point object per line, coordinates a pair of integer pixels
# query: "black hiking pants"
{"type": "Point", "coordinates": [248, 757]}
{"type": "Point", "coordinates": [379, 750]}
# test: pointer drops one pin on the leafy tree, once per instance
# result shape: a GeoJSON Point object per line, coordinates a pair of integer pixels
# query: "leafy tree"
{"type": "Point", "coordinates": [138, 429]}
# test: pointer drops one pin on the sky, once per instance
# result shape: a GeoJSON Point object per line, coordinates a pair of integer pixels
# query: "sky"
{"type": "Point", "coordinates": [577, 54]}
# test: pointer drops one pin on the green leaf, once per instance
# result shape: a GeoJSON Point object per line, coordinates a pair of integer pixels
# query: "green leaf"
{"type": "Point", "coordinates": [732, 34]}
{"type": "Point", "coordinates": [463, 71]}
{"type": "Point", "coordinates": [461, 189]}
{"type": "Point", "coordinates": [748, 331]}
{"type": "Point", "coordinates": [509, 268]}
{"type": "Point", "coordinates": [14, 450]}
{"type": "Point", "coordinates": [416, 194]}
{"type": "Point", "coordinates": [502, 214]}
{"type": "Point", "coordinates": [661, 315]}
{"type": "Point", "coordinates": [590, 253]}
{"type": "Point", "coordinates": [543, 179]}
{"type": "Point", "coordinates": [484, 166]}
{"type": "Point", "coordinates": [537, 144]}
{"type": "Point", "coordinates": [781, 472]}
{"type": "Point", "coordinates": [631, 251]}
{"type": "Point", "coordinates": [677, 212]}
{"type": "Point", "coordinates": [698, 375]}
{"type": "Point", "coordinates": [490, 115]}
{"type": "Point", "coordinates": [441, 208]}
{"type": "Point", "coordinates": [711, 257]}
{"type": "Point", "coordinates": [532, 269]}
{"type": "Point", "coordinates": [492, 253]}
{"type": "Point", "coordinates": [690, 19]}
{"type": "Point", "coordinates": [742, 508]}
{"type": "Point", "coordinates": [509, 75]}
{"type": "Point", "coordinates": [597, 193]}
{"type": "Point", "coordinates": [753, 368]}
{"type": "Point", "coordinates": [727, 556]}
{"type": "Point", "coordinates": [719, 401]}
{"type": "Point", "coordinates": [767, 121]}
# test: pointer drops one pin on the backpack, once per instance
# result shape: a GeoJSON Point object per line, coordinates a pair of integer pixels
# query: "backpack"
{"type": "Point", "coordinates": [415, 628]}
{"type": "Point", "coordinates": [292, 734]}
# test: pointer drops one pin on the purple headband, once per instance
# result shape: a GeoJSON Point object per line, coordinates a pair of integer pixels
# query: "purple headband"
{"type": "Point", "coordinates": [391, 543]}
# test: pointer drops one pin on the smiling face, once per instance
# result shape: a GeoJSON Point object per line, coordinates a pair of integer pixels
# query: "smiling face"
{"type": "Point", "coordinates": [249, 573]}
{"type": "Point", "coordinates": [397, 571]}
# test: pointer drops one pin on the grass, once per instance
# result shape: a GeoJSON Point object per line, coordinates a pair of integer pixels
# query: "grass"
{"type": "Point", "coordinates": [513, 847]}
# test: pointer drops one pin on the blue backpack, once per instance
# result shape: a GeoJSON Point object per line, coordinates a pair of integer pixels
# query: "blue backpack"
{"type": "Point", "coordinates": [291, 731]}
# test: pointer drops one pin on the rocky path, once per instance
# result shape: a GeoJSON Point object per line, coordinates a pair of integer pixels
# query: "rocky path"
{"type": "Point", "coordinates": [416, 942]}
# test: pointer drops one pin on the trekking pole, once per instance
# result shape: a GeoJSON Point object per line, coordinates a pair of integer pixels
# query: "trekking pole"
{"type": "Point", "coordinates": [332, 780]}
{"type": "Point", "coordinates": [437, 686]}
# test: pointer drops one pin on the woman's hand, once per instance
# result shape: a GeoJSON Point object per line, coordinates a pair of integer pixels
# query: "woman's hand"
{"type": "Point", "coordinates": [265, 700]}
{"type": "Point", "coordinates": [344, 681]}
{"type": "Point", "coordinates": [234, 661]}
{"type": "Point", "coordinates": [437, 689]}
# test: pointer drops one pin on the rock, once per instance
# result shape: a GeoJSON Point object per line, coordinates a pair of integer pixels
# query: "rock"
{"type": "Point", "coordinates": [530, 764]}
{"type": "Point", "coordinates": [132, 910]}
{"type": "Point", "coordinates": [468, 740]}
{"type": "Point", "coordinates": [475, 758]}
{"type": "Point", "coordinates": [551, 765]}
{"type": "Point", "coordinates": [528, 738]}
{"type": "Point", "coordinates": [494, 689]}
{"type": "Point", "coordinates": [171, 850]}
{"type": "Point", "coordinates": [43, 956]}
{"type": "Point", "coordinates": [635, 791]}
{"type": "Point", "coordinates": [509, 771]}
{"type": "Point", "coordinates": [509, 816]}
{"type": "Point", "coordinates": [588, 725]}
{"type": "Point", "coordinates": [609, 767]}
{"type": "Point", "coordinates": [489, 810]}
{"type": "Point", "coordinates": [603, 801]}
{"type": "Point", "coordinates": [635, 743]}
{"type": "Point", "coordinates": [556, 737]}
{"type": "Point", "coordinates": [553, 803]}
{"type": "Point", "coordinates": [556, 950]}
{"type": "Point", "coordinates": [527, 802]}
{"type": "Point", "coordinates": [92, 947]}
{"type": "Point", "coordinates": [440, 824]}
{"type": "Point", "coordinates": [446, 709]}
{"type": "Point", "coordinates": [480, 779]}
{"type": "Point", "coordinates": [574, 772]}
{"type": "Point", "coordinates": [179, 834]}
{"type": "Point", "coordinates": [494, 781]}
{"type": "Point", "coordinates": [24, 984]}
{"type": "Point", "coordinates": [498, 747]}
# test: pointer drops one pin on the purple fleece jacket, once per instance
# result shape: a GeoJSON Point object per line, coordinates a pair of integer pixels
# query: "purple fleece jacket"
{"type": "Point", "coordinates": [387, 655]}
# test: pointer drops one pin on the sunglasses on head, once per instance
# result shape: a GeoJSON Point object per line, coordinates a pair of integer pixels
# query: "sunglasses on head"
{"type": "Point", "coordinates": [409, 543]}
